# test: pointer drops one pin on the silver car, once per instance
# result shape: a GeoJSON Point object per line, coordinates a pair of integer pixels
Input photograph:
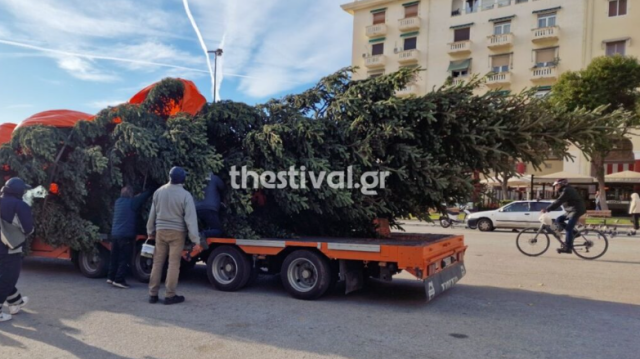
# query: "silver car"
{"type": "Point", "coordinates": [518, 214]}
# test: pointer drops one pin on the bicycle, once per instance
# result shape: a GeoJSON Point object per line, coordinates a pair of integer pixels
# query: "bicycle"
{"type": "Point", "coordinates": [587, 243]}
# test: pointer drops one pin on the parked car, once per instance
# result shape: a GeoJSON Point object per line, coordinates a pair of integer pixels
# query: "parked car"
{"type": "Point", "coordinates": [519, 214]}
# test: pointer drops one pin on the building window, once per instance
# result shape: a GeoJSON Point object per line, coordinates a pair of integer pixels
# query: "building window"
{"type": "Point", "coordinates": [459, 68]}
{"type": "Point", "coordinates": [373, 75]}
{"type": "Point", "coordinates": [462, 34]}
{"type": "Point", "coordinates": [377, 49]}
{"type": "Point", "coordinates": [379, 17]}
{"type": "Point", "coordinates": [546, 57]}
{"type": "Point", "coordinates": [616, 48]}
{"type": "Point", "coordinates": [502, 28]}
{"type": "Point", "coordinates": [410, 43]}
{"type": "Point", "coordinates": [547, 20]}
{"type": "Point", "coordinates": [411, 11]}
{"type": "Point", "coordinates": [501, 63]}
{"type": "Point", "coordinates": [617, 7]}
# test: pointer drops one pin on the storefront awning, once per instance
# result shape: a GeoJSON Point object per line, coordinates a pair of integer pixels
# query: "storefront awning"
{"type": "Point", "coordinates": [623, 177]}
{"type": "Point", "coordinates": [459, 65]}
{"type": "Point", "coordinates": [571, 177]}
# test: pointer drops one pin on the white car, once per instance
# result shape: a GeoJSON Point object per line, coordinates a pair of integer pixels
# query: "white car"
{"type": "Point", "coordinates": [518, 214]}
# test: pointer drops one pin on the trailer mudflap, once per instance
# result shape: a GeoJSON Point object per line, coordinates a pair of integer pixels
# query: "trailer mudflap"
{"type": "Point", "coordinates": [443, 280]}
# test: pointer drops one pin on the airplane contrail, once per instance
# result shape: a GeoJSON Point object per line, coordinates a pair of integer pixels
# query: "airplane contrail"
{"type": "Point", "coordinates": [203, 45]}
{"type": "Point", "coordinates": [111, 58]}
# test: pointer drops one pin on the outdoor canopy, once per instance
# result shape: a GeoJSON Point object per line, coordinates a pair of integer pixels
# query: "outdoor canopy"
{"type": "Point", "coordinates": [191, 102]}
{"type": "Point", "coordinates": [571, 177]}
{"type": "Point", "coordinates": [5, 132]}
{"type": "Point", "coordinates": [623, 177]}
{"type": "Point", "coordinates": [56, 118]}
{"type": "Point", "coordinates": [459, 65]}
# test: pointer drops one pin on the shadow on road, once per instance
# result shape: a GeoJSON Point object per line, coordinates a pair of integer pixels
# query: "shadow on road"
{"type": "Point", "coordinates": [383, 320]}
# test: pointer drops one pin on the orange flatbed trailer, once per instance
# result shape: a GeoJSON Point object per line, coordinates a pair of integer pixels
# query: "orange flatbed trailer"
{"type": "Point", "coordinates": [308, 267]}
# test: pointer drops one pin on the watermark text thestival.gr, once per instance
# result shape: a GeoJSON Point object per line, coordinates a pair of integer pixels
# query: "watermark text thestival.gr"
{"type": "Point", "coordinates": [301, 179]}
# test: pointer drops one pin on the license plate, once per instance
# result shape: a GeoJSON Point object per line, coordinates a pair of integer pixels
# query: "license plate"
{"type": "Point", "coordinates": [444, 280]}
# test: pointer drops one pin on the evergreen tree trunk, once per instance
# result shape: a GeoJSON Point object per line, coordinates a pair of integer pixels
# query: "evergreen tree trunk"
{"type": "Point", "coordinates": [598, 163]}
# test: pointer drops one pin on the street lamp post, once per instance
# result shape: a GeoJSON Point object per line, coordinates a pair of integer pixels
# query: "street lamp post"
{"type": "Point", "coordinates": [216, 53]}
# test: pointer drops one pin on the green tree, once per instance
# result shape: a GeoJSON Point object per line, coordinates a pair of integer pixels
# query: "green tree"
{"type": "Point", "coordinates": [607, 85]}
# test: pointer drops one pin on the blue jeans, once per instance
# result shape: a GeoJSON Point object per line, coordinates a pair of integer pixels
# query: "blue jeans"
{"type": "Point", "coordinates": [569, 226]}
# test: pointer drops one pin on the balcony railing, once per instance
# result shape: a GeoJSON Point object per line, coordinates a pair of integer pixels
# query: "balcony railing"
{"type": "Point", "coordinates": [376, 30]}
{"type": "Point", "coordinates": [409, 24]}
{"type": "Point", "coordinates": [460, 47]}
{"type": "Point", "coordinates": [408, 90]}
{"type": "Point", "coordinates": [374, 61]}
{"type": "Point", "coordinates": [544, 73]}
{"type": "Point", "coordinates": [460, 80]}
{"type": "Point", "coordinates": [546, 33]}
{"type": "Point", "coordinates": [500, 40]}
{"type": "Point", "coordinates": [408, 56]}
{"type": "Point", "coordinates": [501, 78]}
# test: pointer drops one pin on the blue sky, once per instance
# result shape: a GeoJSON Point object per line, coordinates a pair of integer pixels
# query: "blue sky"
{"type": "Point", "coordinates": [85, 55]}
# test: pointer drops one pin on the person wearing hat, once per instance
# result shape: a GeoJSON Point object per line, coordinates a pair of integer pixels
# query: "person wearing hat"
{"type": "Point", "coordinates": [172, 217]}
{"type": "Point", "coordinates": [17, 223]}
{"type": "Point", "coordinates": [574, 207]}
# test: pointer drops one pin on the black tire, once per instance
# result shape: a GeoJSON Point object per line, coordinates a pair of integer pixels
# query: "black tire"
{"type": "Point", "coordinates": [485, 225]}
{"type": "Point", "coordinates": [590, 244]}
{"type": "Point", "coordinates": [228, 268]}
{"type": "Point", "coordinates": [445, 222]}
{"type": "Point", "coordinates": [94, 264]}
{"type": "Point", "coordinates": [531, 243]}
{"type": "Point", "coordinates": [141, 266]}
{"type": "Point", "coordinates": [306, 274]}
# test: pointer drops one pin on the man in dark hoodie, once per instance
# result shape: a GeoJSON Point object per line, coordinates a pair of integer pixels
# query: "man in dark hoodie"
{"type": "Point", "coordinates": [123, 233]}
{"type": "Point", "coordinates": [208, 209]}
{"type": "Point", "coordinates": [15, 211]}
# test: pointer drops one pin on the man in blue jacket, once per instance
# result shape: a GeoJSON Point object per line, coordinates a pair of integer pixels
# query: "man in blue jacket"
{"type": "Point", "coordinates": [123, 233]}
{"type": "Point", "coordinates": [208, 209]}
{"type": "Point", "coordinates": [13, 210]}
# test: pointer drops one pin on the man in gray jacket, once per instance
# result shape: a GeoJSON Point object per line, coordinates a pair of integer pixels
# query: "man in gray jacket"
{"type": "Point", "coordinates": [172, 216]}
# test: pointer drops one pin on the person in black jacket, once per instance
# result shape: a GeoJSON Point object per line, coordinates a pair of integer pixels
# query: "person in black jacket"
{"type": "Point", "coordinates": [574, 207]}
{"type": "Point", "coordinates": [123, 233]}
{"type": "Point", "coordinates": [15, 211]}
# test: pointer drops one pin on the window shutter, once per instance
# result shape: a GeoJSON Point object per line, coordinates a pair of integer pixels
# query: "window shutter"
{"type": "Point", "coordinates": [378, 18]}
{"type": "Point", "coordinates": [500, 60]}
{"type": "Point", "coordinates": [546, 55]}
{"type": "Point", "coordinates": [462, 34]}
{"type": "Point", "coordinates": [411, 11]}
{"type": "Point", "coordinates": [613, 8]}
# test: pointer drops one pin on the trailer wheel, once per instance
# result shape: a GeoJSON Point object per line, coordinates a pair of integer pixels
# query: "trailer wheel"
{"type": "Point", "coordinates": [141, 266]}
{"type": "Point", "coordinates": [228, 268]}
{"type": "Point", "coordinates": [94, 264]}
{"type": "Point", "coordinates": [306, 275]}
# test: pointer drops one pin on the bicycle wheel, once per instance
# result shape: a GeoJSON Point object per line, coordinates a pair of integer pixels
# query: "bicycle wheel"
{"type": "Point", "coordinates": [590, 244]}
{"type": "Point", "coordinates": [531, 243]}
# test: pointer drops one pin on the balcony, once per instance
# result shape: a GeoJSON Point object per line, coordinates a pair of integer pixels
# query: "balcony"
{"type": "Point", "coordinates": [459, 80]}
{"type": "Point", "coordinates": [460, 47]}
{"type": "Point", "coordinates": [409, 56]}
{"type": "Point", "coordinates": [375, 61]}
{"type": "Point", "coordinates": [497, 79]}
{"type": "Point", "coordinates": [410, 89]}
{"type": "Point", "coordinates": [409, 24]}
{"type": "Point", "coordinates": [376, 30]}
{"type": "Point", "coordinates": [495, 41]}
{"type": "Point", "coordinates": [545, 33]}
{"type": "Point", "coordinates": [544, 73]}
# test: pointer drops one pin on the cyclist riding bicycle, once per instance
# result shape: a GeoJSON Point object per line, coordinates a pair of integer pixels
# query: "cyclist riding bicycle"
{"type": "Point", "coordinates": [574, 207]}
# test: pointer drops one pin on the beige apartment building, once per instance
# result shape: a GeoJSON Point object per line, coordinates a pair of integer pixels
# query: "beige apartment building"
{"type": "Point", "coordinates": [518, 44]}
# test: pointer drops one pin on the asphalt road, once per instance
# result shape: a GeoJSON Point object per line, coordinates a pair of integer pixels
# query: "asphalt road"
{"type": "Point", "coordinates": [508, 306]}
